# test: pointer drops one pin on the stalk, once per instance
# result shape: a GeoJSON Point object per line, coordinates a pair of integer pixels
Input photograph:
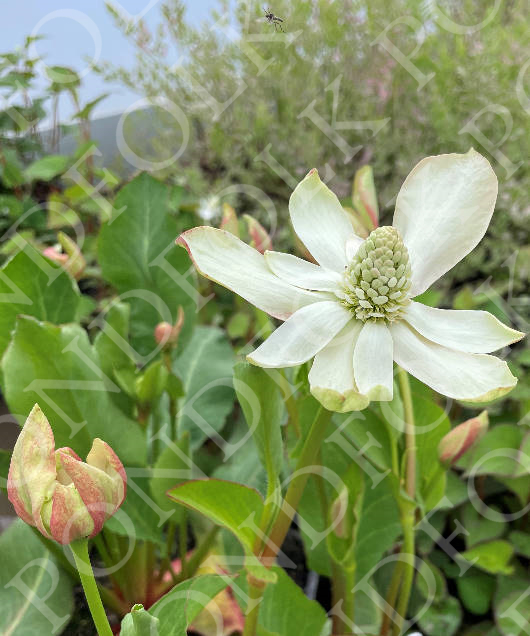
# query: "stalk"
{"type": "Point", "coordinates": [294, 493]}
{"type": "Point", "coordinates": [407, 510]}
{"type": "Point", "coordinates": [82, 562]}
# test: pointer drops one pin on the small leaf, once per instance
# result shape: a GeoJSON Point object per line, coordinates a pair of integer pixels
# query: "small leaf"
{"type": "Point", "coordinates": [177, 610]}
{"type": "Point", "coordinates": [139, 623]}
{"type": "Point", "coordinates": [475, 590]}
{"type": "Point", "coordinates": [493, 557]}
{"type": "Point", "coordinates": [47, 168]}
{"type": "Point", "coordinates": [233, 506]}
{"type": "Point", "coordinates": [521, 542]}
{"type": "Point", "coordinates": [442, 619]}
{"type": "Point", "coordinates": [171, 468]}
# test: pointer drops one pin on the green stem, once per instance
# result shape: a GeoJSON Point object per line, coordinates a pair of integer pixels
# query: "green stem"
{"type": "Point", "coordinates": [255, 595]}
{"type": "Point", "coordinates": [294, 493]}
{"type": "Point", "coordinates": [391, 597]}
{"type": "Point", "coordinates": [82, 561]}
{"type": "Point", "coordinates": [407, 507]}
{"type": "Point", "coordinates": [183, 544]}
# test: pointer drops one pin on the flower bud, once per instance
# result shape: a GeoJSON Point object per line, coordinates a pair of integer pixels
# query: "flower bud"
{"type": "Point", "coordinates": [458, 441]}
{"type": "Point", "coordinates": [259, 238]}
{"type": "Point", "coordinates": [167, 335]}
{"type": "Point", "coordinates": [71, 259]}
{"type": "Point", "coordinates": [229, 221]}
{"type": "Point", "coordinates": [53, 490]}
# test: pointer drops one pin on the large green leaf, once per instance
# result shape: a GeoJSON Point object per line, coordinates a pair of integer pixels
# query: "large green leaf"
{"type": "Point", "coordinates": [442, 619]}
{"type": "Point", "coordinates": [263, 407]}
{"type": "Point", "coordinates": [35, 595]}
{"type": "Point", "coordinates": [224, 502]}
{"type": "Point", "coordinates": [181, 606]}
{"type": "Point", "coordinates": [496, 453]}
{"type": "Point", "coordinates": [58, 368]}
{"type": "Point", "coordinates": [25, 288]}
{"type": "Point", "coordinates": [138, 255]}
{"type": "Point", "coordinates": [431, 477]}
{"type": "Point", "coordinates": [475, 590]}
{"type": "Point", "coordinates": [205, 367]}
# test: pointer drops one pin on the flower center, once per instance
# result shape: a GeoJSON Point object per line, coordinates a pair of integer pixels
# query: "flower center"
{"type": "Point", "coordinates": [377, 281]}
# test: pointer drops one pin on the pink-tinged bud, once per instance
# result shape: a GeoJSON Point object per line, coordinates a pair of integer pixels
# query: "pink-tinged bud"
{"type": "Point", "coordinates": [71, 259]}
{"type": "Point", "coordinates": [229, 221]}
{"type": "Point", "coordinates": [458, 441]}
{"type": "Point", "coordinates": [167, 335]}
{"type": "Point", "coordinates": [65, 498]}
{"type": "Point", "coordinates": [259, 238]}
{"type": "Point", "coordinates": [364, 198]}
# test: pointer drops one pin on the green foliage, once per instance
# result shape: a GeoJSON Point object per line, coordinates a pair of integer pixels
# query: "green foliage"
{"type": "Point", "coordinates": [29, 572]}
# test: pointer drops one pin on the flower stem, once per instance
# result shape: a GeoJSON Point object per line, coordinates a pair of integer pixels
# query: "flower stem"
{"type": "Point", "coordinates": [255, 594]}
{"type": "Point", "coordinates": [407, 507]}
{"type": "Point", "coordinates": [294, 493]}
{"type": "Point", "coordinates": [82, 562]}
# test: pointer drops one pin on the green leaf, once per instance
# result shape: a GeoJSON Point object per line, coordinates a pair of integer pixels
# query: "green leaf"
{"type": "Point", "coordinates": [224, 502]}
{"type": "Point", "coordinates": [285, 610]}
{"type": "Point", "coordinates": [521, 542]}
{"type": "Point", "coordinates": [140, 510]}
{"type": "Point", "coordinates": [431, 477]}
{"type": "Point", "coordinates": [499, 448]}
{"type": "Point", "coordinates": [480, 527]}
{"type": "Point", "coordinates": [151, 383]}
{"type": "Point", "coordinates": [442, 619]}
{"type": "Point", "coordinates": [86, 111]}
{"type": "Point", "coordinates": [426, 572]}
{"type": "Point", "coordinates": [171, 468]}
{"type": "Point", "coordinates": [11, 173]}
{"type": "Point", "coordinates": [47, 168]}
{"type": "Point", "coordinates": [59, 368]}
{"type": "Point", "coordinates": [181, 606]}
{"type": "Point", "coordinates": [137, 254]}
{"type": "Point", "coordinates": [25, 290]}
{"type": "Point", "coordinates": [379, 525]}
{"type": "Point", "coordinates": [475, 590]}
{"type": "Point", "coordinates": [263, 408]}
{"type": "Point", "coordinates": [30, 581]}
{"type": "Point", "coordinates": [492, 557]}
{"type": "Point", "coordinates": [205, 367]}
{"type": "Point", "coordinates": [138, 622]}
{"type": "Point", "coordinates": [513, 613]}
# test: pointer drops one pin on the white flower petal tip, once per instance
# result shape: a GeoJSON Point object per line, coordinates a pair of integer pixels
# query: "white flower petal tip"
{"type": "Point", "coordinates": [340, 402]}
{"type": "Point", "coordinates": [320, 222]}
{"type": "Point", "coordinates": [373, 362]}
{"type": "Point", "coordinates": [442, 212]}
{"type": "Point", "coordinates": [471, 331]}
{"type": "Point", "coordinates": [468, 377]}
{"type": "Point", "coordinates": [223, 258]}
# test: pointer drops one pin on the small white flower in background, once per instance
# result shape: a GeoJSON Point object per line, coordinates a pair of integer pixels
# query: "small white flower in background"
{"type": "Point", "coordinates": [353, 312]}
{"type": "Point", "coordinates": [209, 209]}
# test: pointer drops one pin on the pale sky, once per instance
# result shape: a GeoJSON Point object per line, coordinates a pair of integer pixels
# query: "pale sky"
{"type": "Point", "coordinates": [73, 30]}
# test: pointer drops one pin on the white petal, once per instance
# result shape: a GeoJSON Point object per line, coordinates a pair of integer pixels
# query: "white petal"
{"type": "Point", "coordinates": [223, 258]}
{"type": "Point", "coordinates": [373, 362]}
{"type": "Point", "coordinates": [302, 336]}
{"type": "Point", "coordinates": [471, 377]}
{"type": "Point", "coordinates": [442, 211]}
{"type": "Point", "coordinates": [302, 273]}
{"type": "Point", "coordinates": [352, 246]}
{"type": "Point", "coordinates": [331, 376]}
{"type": "Point", "coordinates": [320, 222]}
{"type": "Point", "coordinates": [463, 330]}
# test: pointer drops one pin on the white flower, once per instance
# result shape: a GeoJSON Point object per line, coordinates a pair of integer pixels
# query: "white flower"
{"type": "Point", "coordinates": [353, 312]}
